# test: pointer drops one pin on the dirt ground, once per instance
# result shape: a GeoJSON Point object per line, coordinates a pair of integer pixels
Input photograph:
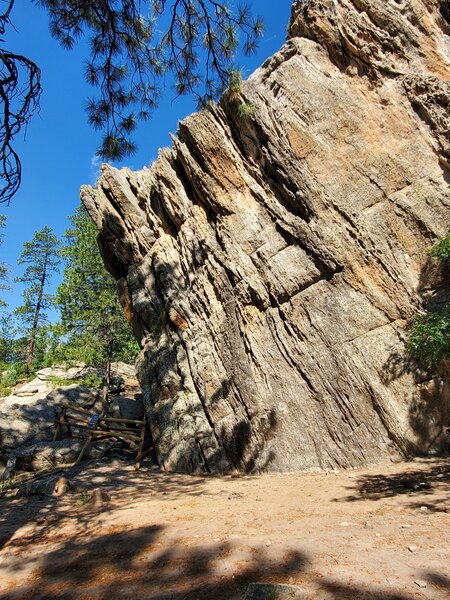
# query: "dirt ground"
{"type": "Point", "coordinates": [379, 533]}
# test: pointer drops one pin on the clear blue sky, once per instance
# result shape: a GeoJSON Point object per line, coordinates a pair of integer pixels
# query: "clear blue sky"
{"type": "Point", "coordinates": [58, 150]}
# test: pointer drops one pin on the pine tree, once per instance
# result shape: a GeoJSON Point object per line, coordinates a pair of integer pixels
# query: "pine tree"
{"type": "Point", "coordinates": [5, 340]}
{"type": "Point", "coordinates": [9, 346]}
{"type": "Point", "coordinates": [92, 319]}
{"type": "Point", "coordinates": [134, 46]}
{"type": "Point", "coordinates": [20, 90]}
{"type": "Point", "coordinates": [42, 257]}
{"type": "Point", "coordinates": [3, 267]}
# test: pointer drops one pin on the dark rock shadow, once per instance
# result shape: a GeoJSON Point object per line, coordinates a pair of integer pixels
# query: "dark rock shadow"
{"type": "Point", "coordinates": [429, 412]}
{"type": "Point", "coordinates": [245, 448]}
{"type": "Point", "coordinates": [39, 418]}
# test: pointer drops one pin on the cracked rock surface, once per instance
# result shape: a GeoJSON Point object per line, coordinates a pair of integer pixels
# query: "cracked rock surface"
{"type": "Point", "coordinates": [269, 264]}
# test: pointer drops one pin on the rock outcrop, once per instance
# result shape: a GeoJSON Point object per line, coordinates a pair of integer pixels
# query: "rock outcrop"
{"type": "Point", "coordinates": [270, 261]}
{"type": "Point", "coordinates": [27, 416]}
{"type": "Point", "coordinates": [31, 419]}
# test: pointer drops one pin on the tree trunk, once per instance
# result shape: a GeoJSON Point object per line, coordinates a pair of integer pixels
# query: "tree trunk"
{"type": "Point", "coordinates": [32, 340]}
{"type": "Point", "coordinates": [107, 378]}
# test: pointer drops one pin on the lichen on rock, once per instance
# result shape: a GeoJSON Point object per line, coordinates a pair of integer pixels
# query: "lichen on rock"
{"type": "Point", "coordinates": [269, 264]}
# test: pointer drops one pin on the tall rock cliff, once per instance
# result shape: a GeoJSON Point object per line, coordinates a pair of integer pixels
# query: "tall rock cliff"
{"type": "Point", "coordinates": [270, 261]}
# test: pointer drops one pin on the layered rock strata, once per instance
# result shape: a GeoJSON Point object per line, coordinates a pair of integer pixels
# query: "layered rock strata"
{"type": "Point", "coordinates": [270, 261]}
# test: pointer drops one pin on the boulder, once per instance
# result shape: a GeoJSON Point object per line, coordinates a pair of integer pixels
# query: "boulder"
{"type": "Point", "coordinates": [44, 486]}
{"type": "Point", "coordinates": [62, 372]}
{"type": "Point", "coordinates": [274, 591]}
{"type": "Point", "coordinates": [36, 386]}
{"type": "Point", "coordinates": [124, 375]}
{"type": "Point", "coordinates": [30, 419]}
{"type": "Point", "coordinates": [48, 455]}
{"type": "Point", "coordinates": [52, 484]}
{"type": "Point", "coordinates": [98, 499]}
{"type": "Point", "coordinates": [121, 373]}
{"type": "Point", "coordinates": [74, 394]}
{"type": "Point", "coordinates": [128, 408]}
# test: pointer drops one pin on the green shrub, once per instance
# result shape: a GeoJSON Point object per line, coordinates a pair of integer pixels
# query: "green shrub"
{"type": "Point", "coordinates": [4, 390]}
{"type": "Point", "coordinates": [442, 250]}
{"type": "Point", "coordinates": [245, 110]}
{"type": "Point", "coordinates": [429, 339]}
{"type": "Point", "coordinates": [233, 99]}
{"type": "Point", "coordinates": [6, 484]}
{"type": "Point", "coordinates": [90, 380]}
{"type": "Point", "coordinates": [14, 374]}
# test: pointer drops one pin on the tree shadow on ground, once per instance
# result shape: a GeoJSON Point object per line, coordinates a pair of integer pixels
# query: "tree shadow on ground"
{"type": "Point", "coordinates": [440, 581]}
{"type": "Point", "coordinates": [339, 591]}
{"type": "Point", "coordinates": [81, 559]}
{"type": "Point", "coordinates": [143, 563]}
{"type": "Point", "coordinates": [412, 483]}
{"type": "Point", "coordinates": [119, 479]}
{"type": "Point", "coordinates": [149, 564]}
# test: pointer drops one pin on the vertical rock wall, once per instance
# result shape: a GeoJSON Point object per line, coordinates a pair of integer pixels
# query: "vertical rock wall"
{"type": "Point", "coordinates": [269, 263]}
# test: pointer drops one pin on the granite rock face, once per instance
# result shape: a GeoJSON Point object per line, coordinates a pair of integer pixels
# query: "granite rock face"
{"type": "Point", "coordinates": [28, 420]}
{"type": "Point", "coordinates": [270, 261]}
{"type": "Point", "coordinates": [27, 416]}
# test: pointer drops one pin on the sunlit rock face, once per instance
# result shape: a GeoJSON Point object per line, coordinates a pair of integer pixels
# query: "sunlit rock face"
{"type": "Point", "coordinates": [270, 261]}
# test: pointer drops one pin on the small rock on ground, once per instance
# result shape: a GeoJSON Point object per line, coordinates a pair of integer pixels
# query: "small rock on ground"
{"type": "Point", "coordinates": [270, 591]}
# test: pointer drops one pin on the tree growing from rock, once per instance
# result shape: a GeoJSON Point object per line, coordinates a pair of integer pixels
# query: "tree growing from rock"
{"type": "Point", "coordinates": [92, 320]}
{"type": "Point", "coordinates": [134, 44]}
{"type": "Point", "coordinates": [42, 258]}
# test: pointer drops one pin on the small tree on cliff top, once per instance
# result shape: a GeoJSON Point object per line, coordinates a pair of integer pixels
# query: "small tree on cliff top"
{"type": "Point", "coordinates": [92, 319]}
{"type": "Point", "coordinates": [42, 257]}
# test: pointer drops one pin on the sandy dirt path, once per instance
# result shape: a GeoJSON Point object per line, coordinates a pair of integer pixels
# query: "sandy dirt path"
{"type": "Point", "coordinates": [378, 533]}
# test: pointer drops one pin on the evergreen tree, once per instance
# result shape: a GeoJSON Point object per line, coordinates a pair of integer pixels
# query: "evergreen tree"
{"type": "Point", "coordinates": [92, 320]}
{"type": "Point", "coordinates": [134, 45]}
{"type": "Point", "coordinates": [42, 257]}
{"type": "Point", "coordinates": [7, 350]}
{"type": "Point", "coordinates": [6, 340]}
{"type": "Point", "coordinates": [20, 90]}
{"type": "Point", "coordinates": [12, 346]}
{"type": "Point", "coordinates": [3, 267]}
